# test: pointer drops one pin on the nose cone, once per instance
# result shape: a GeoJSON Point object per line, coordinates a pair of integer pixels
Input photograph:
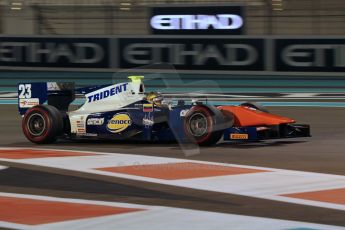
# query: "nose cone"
{"type": "Point", "coordinates": [275, 119]}
{"type": "Point", "coordinates": [249, 117]}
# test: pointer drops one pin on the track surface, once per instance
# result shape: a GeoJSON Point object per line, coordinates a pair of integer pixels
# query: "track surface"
{"type": "Point", "coordinates": [324, 153]}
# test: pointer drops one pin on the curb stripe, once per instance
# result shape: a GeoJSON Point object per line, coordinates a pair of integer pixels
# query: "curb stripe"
{"type": "Point", "coordinates": [182, 170]}
{"type": "Point", "coordinates": [336, 196]}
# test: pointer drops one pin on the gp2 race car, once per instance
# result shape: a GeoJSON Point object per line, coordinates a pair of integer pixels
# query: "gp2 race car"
{"type": "Point", "coordinates": [123, 111]}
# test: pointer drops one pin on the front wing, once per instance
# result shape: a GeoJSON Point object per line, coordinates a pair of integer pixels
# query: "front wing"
{"type": "Point", "coordinates": [264, 133]}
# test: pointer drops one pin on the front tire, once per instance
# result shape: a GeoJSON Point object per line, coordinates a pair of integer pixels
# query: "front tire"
{"type": "Point", "coordinates": [42, 124]}
{"type": "Point", "coordinates": [200, 126]}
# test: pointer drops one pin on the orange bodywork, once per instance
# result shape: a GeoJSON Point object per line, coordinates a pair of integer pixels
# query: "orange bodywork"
{"type": "Point", "coordinates": [244, 116]}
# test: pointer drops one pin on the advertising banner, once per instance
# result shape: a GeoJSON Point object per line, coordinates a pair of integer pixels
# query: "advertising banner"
{"type": "Point", "coordinates": [195, 53]}
{"type": "Point", "coordinates": [197, 20]}
{"type": "Point", "coordinates": [54, 52]}
{"type": "Point", "coordinates": [310, 55]}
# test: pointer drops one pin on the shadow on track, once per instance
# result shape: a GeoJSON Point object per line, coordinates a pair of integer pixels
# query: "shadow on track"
{"type": "Point", "coordinates": [130, 144]}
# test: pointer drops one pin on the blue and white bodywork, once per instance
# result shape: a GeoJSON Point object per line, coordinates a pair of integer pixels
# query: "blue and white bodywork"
{"type": "Point", "coordinates": [118, 111]}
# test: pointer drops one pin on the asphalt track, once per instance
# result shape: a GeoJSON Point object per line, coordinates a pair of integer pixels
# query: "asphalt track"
{"type": "Point", "coordinates": [324, 152]}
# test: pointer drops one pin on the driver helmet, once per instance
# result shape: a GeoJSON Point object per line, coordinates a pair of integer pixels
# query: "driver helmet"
{"type": "Point", "coordinates": [155, 98]}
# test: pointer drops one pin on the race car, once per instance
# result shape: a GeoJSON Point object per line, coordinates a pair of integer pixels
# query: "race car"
{"type": "Point", "coordinates": [124, 111]}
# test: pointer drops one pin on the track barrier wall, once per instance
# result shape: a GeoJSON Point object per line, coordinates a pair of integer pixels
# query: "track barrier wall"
{"type": "Point", "coordinates": [186, 53]}
{"type": "Point", "coordinates": [236, 64]}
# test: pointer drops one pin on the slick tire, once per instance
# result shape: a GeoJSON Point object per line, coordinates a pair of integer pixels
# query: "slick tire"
{"type": "Point", "coordinates": [200, 126]}
{"type": "Point", "coordinates": [256, 106]}
{"type": "Point", "coordinates": [42, 124]}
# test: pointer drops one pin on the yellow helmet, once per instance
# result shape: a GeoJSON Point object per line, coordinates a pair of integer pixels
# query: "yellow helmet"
{"type": "Point", "coordinates": [155, 98]}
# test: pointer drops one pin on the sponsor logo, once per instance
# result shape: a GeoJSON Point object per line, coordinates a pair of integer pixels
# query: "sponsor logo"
{"type": "Point", "coordinates": [148, 121]}
{"type": "Point", "coordinates": [314, 55]}
{"type": "Point", "coordinates": [85, 134]}
{"type": "Point", "coordinates": [28, 103]}
{"type": "Point", "coordinates": [184, 112]}
{"type": "Point", "coordinates": [81, 131]}
{"type": "Point", "coordinates": [261, 128]}
{"type": "Point", "coordinates": [225, 54]}
{"type": "Point", "coordinates": [107, 93]}
{"type": "Point", "coordinates": [119, 123]}
{"type": "Point", "coordinates": [95, 121]}
{"type": "Point", "coordinates": [238, 136]}
{"type": "Point", "coordinates": [196, 22]}
{"type": "Point", "coordinates": [147, 108]}
{"type": "Point", "coordinates": [91, 134]}
{"type": "Point", "coordinates": [51, 86]}
{"type": "Point", "coordinates": [81, 126]}
{"type": "Point", "coordinates": [51, 52]}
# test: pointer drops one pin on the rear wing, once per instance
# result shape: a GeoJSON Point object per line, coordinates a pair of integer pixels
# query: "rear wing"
{"type": "Point", "coordinates": [59, 95]}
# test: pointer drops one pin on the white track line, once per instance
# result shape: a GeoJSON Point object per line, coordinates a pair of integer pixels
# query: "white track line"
{"type": "Point", "coordinates": [3, 167]}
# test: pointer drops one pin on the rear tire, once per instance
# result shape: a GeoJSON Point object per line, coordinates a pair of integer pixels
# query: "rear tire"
{"type": "Point", "coordinates": [200, 126]}
{"type": "Point", "coordinates": [42, 124]}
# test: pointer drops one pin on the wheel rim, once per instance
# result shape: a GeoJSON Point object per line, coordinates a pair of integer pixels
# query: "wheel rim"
{"type": "Point", "coordinates": [198, 124]}
{"type": "Point", "coordinates": [36, 124]}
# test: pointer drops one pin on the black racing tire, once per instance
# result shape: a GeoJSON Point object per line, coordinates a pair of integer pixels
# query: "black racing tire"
{"type": "Point", "coordinates": [256, 106]}
{"type": "Point", "coordinates": [200, 126]}
{"type": "Point", "coordinates": [42, 124]}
